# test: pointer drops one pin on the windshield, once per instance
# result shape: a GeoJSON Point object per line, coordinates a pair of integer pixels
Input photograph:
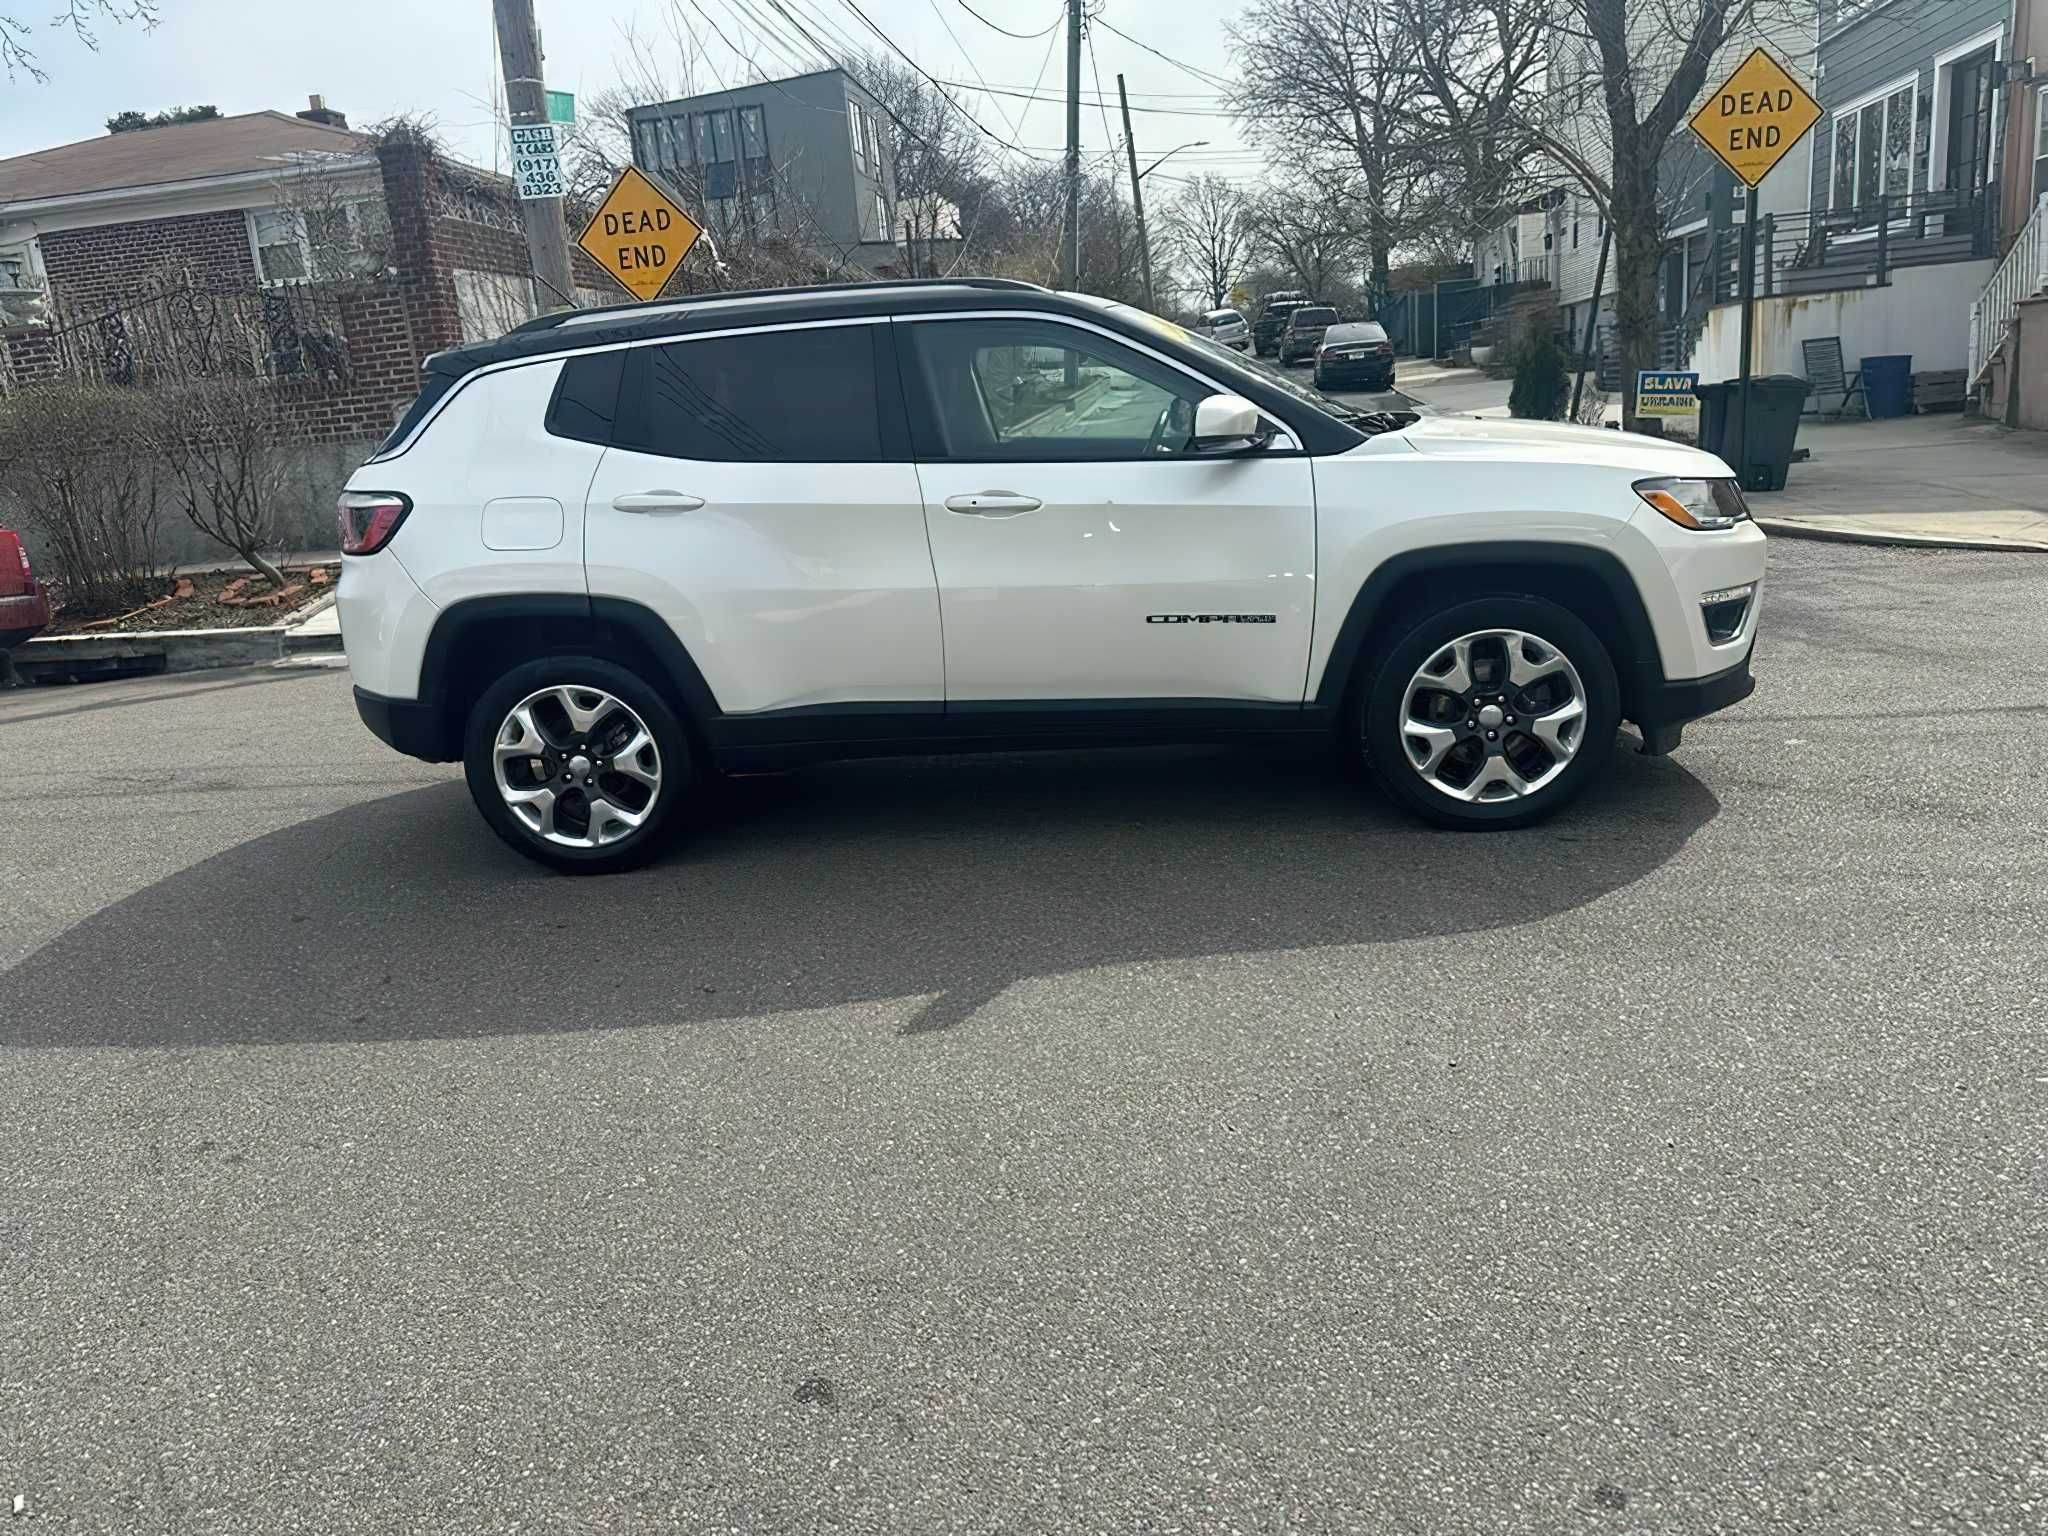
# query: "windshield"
{"type": "Point", "coordinates": [1223, 317]}
{"type": "Point", "coordinates": [1356, 331]}
{"type": "Point", "coordinates": [1315, 316]}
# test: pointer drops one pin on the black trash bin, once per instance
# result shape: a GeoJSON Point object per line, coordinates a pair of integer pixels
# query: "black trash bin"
{"type": "Point", "coordinates": [1714, 405]}
{"type": "Point", "coordinates": [1770, 425]}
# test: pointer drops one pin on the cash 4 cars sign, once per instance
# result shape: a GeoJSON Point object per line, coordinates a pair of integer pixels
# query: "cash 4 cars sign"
{"type": "Point", "coordinates": [639, 234]}
{"type": "Point", "coordinates": [1753, 121]}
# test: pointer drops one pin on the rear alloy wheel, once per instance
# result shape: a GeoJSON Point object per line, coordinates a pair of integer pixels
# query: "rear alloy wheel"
{"type": "Point", "coordinates": [1493, 713]}
{"type": "Point", "coordinates": [577, 763]}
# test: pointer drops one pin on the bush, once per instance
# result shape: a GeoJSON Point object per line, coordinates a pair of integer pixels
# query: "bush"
{"type": "Point", "coordinates": [221, 442]}
{"type": "Point", "coordinates": [72, 478]}
{"type": "Point", "coordinates": [1543, 384]}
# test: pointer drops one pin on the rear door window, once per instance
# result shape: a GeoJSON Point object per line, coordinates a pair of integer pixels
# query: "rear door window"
{"type": "Point", "coordinates": [806, 396]}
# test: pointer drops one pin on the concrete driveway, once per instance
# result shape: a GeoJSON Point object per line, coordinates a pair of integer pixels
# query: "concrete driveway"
{"type": "Point", "coordinates": [1169, 1141]}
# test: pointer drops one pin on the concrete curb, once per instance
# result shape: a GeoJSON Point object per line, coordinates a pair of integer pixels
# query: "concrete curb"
{"type": "Point", "coordinates": [77, 658]}
{"type": "Point", "coordinates": [1793, 528]}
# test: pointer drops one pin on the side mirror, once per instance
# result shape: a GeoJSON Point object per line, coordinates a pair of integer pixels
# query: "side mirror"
{"type": "Point", "coordinates": [1228, 424]}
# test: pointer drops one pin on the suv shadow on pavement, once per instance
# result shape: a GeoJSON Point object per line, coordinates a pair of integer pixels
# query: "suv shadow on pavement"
{"type": "Point", "coordinates": [398, 919]}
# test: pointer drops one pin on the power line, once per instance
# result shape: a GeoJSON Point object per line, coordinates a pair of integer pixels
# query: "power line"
{"type": "Point", "coordinates": [1187, 69]}
{"type": "Point", "coordinates": [997, 90]}
{"type": "Point", "coordinates": [979, 126]}
{"type": "Point", "coordinates": [1023, 37]}
{"type": "Point", "coordinates": [1108, 133]}
{"type": "Point", "coordinates": [1015, 125]}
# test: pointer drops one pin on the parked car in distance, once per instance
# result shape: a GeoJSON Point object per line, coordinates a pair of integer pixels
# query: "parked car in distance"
{"type": "Point", "coordinates": [602, 554]}
{"type": "Point", "coordinates": [24, 601]}
{"type": "Point", "coordinates": [1226, 327]}
{"type": "Point", "coordinates": [1355, 353]}
{"type": "Point", "coordinates": [1303, 332]}
{"type": "Point", "coordinates": [1273, 319]}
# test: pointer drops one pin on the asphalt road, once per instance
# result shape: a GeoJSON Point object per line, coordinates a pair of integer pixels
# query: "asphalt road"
{"type": "Point", "coordinates": [1176, 1141]}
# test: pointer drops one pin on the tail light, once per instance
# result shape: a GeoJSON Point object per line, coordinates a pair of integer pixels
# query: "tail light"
{"type": "Point", "coordinates": [1385, 349]}
{"type": "Point", "coordinates": [368, 519]}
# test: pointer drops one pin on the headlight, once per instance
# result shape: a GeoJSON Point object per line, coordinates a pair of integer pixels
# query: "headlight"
{"type": "Point", "coordinates": [1701, 504]}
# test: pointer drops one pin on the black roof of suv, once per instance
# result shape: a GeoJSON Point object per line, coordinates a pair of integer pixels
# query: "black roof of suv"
{"type": "Point", "coordinates": [1318, 430]}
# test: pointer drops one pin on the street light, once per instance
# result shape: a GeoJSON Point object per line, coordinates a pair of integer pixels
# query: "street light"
{"type": "Point", "coordinates": [1196, 144]}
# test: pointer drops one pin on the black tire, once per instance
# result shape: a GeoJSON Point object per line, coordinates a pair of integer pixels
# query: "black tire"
{"type": "Point", "coordinates": [671, 745]}
{"type": "Point", "coordinates": [1319, 379]}
{"type": "Point", "coordinates": [1382, 704]}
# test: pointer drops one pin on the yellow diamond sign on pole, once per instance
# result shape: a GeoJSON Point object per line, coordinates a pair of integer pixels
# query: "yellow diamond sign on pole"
{"type": "Point", "coordinates": [1756, 118]}
{"type": "Point", "coordinates": [639, 234]}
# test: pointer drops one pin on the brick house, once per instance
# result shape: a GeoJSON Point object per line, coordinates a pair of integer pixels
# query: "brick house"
{"type": "Point", "coordinates": [285, 244]}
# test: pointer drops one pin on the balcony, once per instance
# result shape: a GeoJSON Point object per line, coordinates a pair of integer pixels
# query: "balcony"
{"type": "Point", "coordinates": [1826, 250]}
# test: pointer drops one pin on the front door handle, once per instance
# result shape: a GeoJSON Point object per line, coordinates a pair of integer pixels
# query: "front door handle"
{"type": "Point", "coordinates": [656, 501]}
{"type": "Point", "coordinates": [992, 504]}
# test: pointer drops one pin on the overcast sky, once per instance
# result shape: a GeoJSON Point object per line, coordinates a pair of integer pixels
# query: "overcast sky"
{"type": "Point", "coordinates": [374, 59]}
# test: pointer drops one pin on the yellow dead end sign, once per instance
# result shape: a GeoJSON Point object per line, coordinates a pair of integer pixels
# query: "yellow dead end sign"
{"type": "Point", "coordinates": [1756, 117]}
{"type": "Point", "coordinates": [639, 234]}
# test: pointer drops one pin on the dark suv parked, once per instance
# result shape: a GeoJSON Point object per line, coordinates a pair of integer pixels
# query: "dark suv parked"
{"type": "Point", "coordinates": [1304, 332]}
{"type": "Point", "coordinates": [1273, 319]}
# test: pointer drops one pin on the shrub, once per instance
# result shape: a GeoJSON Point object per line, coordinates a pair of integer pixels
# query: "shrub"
{"type": "Point", "coordinates": [1543, 383]}
{"type": "Point", "coordinates": [74, 479]}
{"type": "Point", "coordinates": [222, 444]}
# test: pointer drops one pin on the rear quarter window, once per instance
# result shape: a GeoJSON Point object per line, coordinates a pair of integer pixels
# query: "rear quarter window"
{"type": "Point", "coordinates": [586, 399]}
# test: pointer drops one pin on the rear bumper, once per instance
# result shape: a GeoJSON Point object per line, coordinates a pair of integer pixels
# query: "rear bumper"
{"type": "Point", "coordinates": [1341, 372]}
{"type": "Point", "coordinates": [23, 615]}
{"type": "Point", "coordinates": [414, 728]}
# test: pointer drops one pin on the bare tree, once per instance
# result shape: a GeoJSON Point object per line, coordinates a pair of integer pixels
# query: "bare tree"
{"type": "Point", "coordinates": [221, 440]}
{"type": "Point", "coordinates": [1208, 229]}
{"type": "Point", "coordinates": [82, 18]}
{"type": "Point", "coordinates": [942, 164]}
{"type": "Point", "coordinates": [1310, 228]}
{"type": "Point", "coordinates": [1327, 83]}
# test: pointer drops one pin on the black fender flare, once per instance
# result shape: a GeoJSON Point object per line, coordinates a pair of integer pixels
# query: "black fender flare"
{"type": "Point", "coordinates": [1628, 620]}
{"type": "Point", "coordinates": [561, 618]}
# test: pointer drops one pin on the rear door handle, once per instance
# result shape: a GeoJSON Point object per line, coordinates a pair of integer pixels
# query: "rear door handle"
{"type": "Point", "coordinates": [656, 501]}
{"type": "Point", "coordinates": [992, 504]}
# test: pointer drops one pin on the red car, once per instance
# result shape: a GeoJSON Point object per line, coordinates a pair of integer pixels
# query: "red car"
{"type": "Point", "coordinates": [24, 604]}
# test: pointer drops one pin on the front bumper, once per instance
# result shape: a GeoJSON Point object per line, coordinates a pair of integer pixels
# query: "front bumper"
{"type": "Point", "coordinates": [417, 729]}
{"type": "Point", "coordinates": [1665, 708]}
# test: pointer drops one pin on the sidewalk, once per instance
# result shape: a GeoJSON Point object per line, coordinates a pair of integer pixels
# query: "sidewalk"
{"type": "Point", "coordinates": [1937, 480]}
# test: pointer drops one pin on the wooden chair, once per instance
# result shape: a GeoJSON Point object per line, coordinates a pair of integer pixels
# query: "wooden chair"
{"type": "Point", "coordinates": [1825, 375]}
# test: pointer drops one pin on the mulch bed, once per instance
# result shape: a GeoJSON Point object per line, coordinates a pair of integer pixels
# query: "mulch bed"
{"type": "Point", "coordinates": [204, 600]}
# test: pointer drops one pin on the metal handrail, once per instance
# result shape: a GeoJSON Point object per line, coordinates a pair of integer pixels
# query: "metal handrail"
{"type": "Point", "coordinates": [2021, 275]}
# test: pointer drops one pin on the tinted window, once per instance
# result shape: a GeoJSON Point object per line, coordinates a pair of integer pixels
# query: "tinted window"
{"type": "Point", "coordinates": [1314, 315]}
{"type": "Point", "coordinates": [1022, 389]}
{"type": "Point", "coordinates": [586, 396]}
{"type": "Point", "coordinates": [801, 397]}
{"type": "Point", "coordinates": [1358, 331]}
{"type": "Point", "coordinates": [432, 387]}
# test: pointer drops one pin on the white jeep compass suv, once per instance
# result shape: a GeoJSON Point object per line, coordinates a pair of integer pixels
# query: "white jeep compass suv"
{"type": "Point", "coordinates": [616, 548]}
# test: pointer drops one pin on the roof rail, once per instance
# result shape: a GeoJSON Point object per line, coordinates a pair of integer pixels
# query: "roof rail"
{"type": "Point", "coordinates": [655, 306]}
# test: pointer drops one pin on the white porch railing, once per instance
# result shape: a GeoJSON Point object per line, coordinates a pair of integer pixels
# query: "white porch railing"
{"type": "Point", "coordinates": [2023, 274]}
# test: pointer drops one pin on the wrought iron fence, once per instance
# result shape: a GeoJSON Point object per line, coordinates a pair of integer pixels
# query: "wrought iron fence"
{"type": "Point", "coordinates": [287, 332]}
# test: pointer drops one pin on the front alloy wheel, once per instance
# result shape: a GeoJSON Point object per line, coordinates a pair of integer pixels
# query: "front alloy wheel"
{"type": "Point", "coordinates": [1494, 715]}
{"type": "Point", "coordinates": [1490, 712]}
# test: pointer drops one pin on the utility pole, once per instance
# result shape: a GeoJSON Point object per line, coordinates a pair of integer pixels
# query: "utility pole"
{"type": "Point", "coordinates": [1137, 197]}
{"type": "Point", "coordinates": [526, 99]}
{"type": "Point", "coordinates": [1070, 237]}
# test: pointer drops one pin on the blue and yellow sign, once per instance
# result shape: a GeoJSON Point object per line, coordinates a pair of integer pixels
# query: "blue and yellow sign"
{"type": "Point", "coordinates": [1666, 394]}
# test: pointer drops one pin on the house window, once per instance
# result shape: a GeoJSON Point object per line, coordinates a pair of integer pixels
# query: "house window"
{"type": "Point", "coordinates": [2041, 143]}
{"type": "Point", "coordinates": [281, 254]}
{"type": "Point", "coordinates": [879, 218]}
{"type": "Point", "coordinates": [1575, 224]}
{"type": "Point", "coordinates": [325, 243]}
{"type": "Point", "coordinates": [856, 129]}
{"type": "Point", "coordinates": [753, 141]}
{"type": "Point", "coordinates": [1872, 156]}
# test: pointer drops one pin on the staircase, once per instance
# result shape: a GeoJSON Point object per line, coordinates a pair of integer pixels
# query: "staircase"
{"type": "Point", "coordinates": [2023, 274]}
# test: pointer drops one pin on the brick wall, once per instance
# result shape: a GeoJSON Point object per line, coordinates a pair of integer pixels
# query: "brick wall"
{"type": "Point", "coordinates": [92, 270]}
